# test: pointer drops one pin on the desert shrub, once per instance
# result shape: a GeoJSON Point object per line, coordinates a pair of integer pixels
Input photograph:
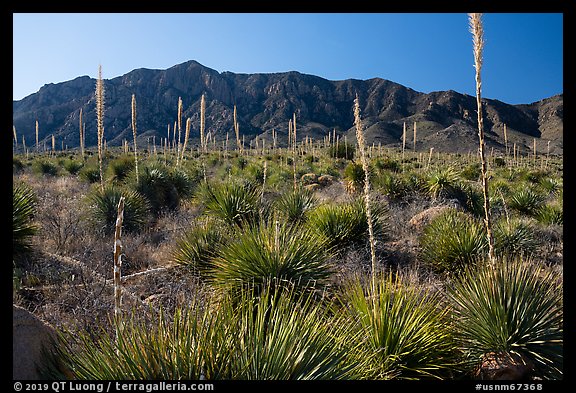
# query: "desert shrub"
{"type": "Point", "coordinates": [241, 162]}
{"type": "Point", "coordinates": [470, 198]}
{"type": "Point", "coordinates": [103, 209]}
{"type": "Point", "coordinates": [405, 331]}
{"type": "Point", "coordinates": [90, 173]}
{"type": "Point", "coordinates": [499, 186]}
{"type": "Point", "coordinates": [119, 168]}
{"type": "Point", "coordinates": [294, 205]}
{"type": "Point", "coordinates": [344, 225]}
{"type": "Point", "coordinates": [44, 166]}
{"type": "Point", "coordinates": [162, 187]}
{"type": "Point", "coordinates": [184, 181]}
{"type": "Point", "coordinates": [17, 164]}
{"type": "Point", "coordinates": [513, 310]}
{"type": "Point", "coordinates": [73, 166]}
{"type": "Point", "coordinates": [272, 251]}
{"type": "Point", "coordinates": [255, 173]}
{"type": "Point", "coordinates": [551, 186]}
{"type": "Point", "coordinates": [24, 205]}
{"type": "Point", "coordinates": [442, 183]}
{"type": "Point", "coordinates": [286, 334]}
{"type": "Point", "coordinates": [452, 241]}
{"type": "Point", "coordinates": [471, 172]}
{"type": "Point", "coordinates": [272, 335]}
{"type": "Point", "coordinates": [551, 214]}
{"type": "Point", "coordinates": [534, 176]}
{"type": "Point", "coordinates": [387, 164]}
{"type": "Point", "coordinates": [199, 245]}
{"type": "Point", "coordinates": [236, 203]}
{"type": "Point", "coordinates": [499, 162]}
{"type": "Point", "coordinates": [354, 175]}
{"type": "Point", "coordinates": [514, 238]}
{"type": "Point", "coordinates": [526, 201]}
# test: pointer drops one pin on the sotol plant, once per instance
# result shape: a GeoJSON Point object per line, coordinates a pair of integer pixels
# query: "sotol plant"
{"type": "Point", "coordinates": [295, 204]}
{"type": "Point", "coordinates": [273, 251]}
{"type": "Point", "coordinates": [405, 331]}
{"type": "Point", "coordinates": [103, 206]}
{"type": "Point", "coordinates": [512, 310]}
{"type": "Point", "coordinates": [23, 212]}
{"type": "Point", "coordinates": [235, 203]}
{"type": "Point", "coordinates": [199, 245]}
{"type": "Point", "coordinates": [270, 335]}
{"type": "Point", "coordinates": [346, 224]}
{"type": "Point", "coordinates": [452, 241]}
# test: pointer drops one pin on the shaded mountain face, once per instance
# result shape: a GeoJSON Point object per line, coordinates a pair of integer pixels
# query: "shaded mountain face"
{"type": "Point", "coordinates": [445, 120]}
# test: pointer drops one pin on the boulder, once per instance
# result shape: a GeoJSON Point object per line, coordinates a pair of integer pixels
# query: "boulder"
{"type": "Point", "coordinates": [31, 337]}
{"type": "Point", "coordinates": [420, 220]}
{"type": "Point", "coordinates": [504, 366]}
{"type": "Point", "coordinates": [309, 178]}
{"type": "Point", "coordinates": [312, 187]}
{"type": "Point", "coordinates": [325, 180]}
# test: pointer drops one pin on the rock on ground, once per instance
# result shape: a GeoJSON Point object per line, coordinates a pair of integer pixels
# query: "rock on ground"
{"type": "Point", "coordinates": [30, 336]}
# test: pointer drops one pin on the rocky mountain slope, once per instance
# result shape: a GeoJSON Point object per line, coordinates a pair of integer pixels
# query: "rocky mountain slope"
{"type": "Point", "coordinates": [446, 120]}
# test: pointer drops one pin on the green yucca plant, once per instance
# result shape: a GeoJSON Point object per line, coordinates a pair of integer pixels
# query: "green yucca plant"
{"type": "Point", "coordinates": [387, 164]}
{"type": "Point", "coordinates": [354, 174]}
{"type": "Point", "coordinates": [344, 225]}
{"type": "Point", "coordinates": [284, 334]}
{"type": "Point", "coordinates": [255, 173]}
{"type": "Point", "coordinates": [184, 181]}
{"type": "Point", "coordinates": [470, 198]}
{"type": "Point", "coordinates": [442, 182]}
{"type": "Point", "coordinates": [103, 205]}
{"type": "Point", "coordinates": [44, 166]}
{"type": "Point", "coordinates": [514, 238]}
{"type": "Point", "coordinates": [405, 331]}
{"type": "Point", "coordinates": [452, 240]}
{"type": "Point", "coordinates": [499, 186]}
{"type": "Point", "coordinates": [161, 186]}
{"type": "Point", "coordinates": [395, 187]}
{"type": "Point", "coordinates": [23, 211]}
{"type": "Point", "coordinates": [471, 172]}
{"type": "Point", "coordinates": [272, 251]}
{"type": "Point", "coordinates": [90, 173]}
{"type": "Point", "coordinates": [73, 166]}
{"type": "Point", "coordinates": [551, 214]}
{"type": "Point", "coordinates": [526, 201]}
{"type": "Point", "coordinates": [235, 203]}
{"type": "Point", "coordinates": [511, 309]}
{"type": "Point", "coordinates": [534, 176]}
{"type": "Point", "coordinates": [190, 345]}
{"type": "Point", "coordinates": [295, 204]}
{"type": "Point", "coordinates": [551, 185]}
{"type": "Point", "coordinates": [199, 245]}
{"type": "Point", "coordinates": [119, 168]}
{"type": "Point", "coordinates": [271, 335]}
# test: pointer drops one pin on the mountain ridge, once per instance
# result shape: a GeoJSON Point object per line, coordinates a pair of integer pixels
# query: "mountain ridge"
{"type": "Point", "coordinates": [446, 120]}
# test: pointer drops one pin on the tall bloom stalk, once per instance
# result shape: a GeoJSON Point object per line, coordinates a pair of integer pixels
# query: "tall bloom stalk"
{"type": "Point", "coordinates": [477, 30]}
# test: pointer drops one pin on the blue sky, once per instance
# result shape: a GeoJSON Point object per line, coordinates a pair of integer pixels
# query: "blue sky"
{"type": "Point", "coordinates": [523, 57]}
